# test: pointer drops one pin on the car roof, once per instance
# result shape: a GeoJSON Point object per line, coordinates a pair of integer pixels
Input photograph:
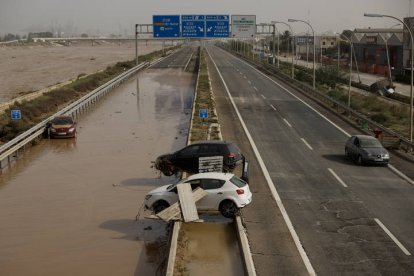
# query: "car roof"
{"type": "Point", "coordinates": [366, 137]}
{"type": "Point", "coordinates": [211, 142]}
{"type": "Point", "coordinates": [214, 175]}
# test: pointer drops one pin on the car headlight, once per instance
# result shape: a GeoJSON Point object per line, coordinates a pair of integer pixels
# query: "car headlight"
{"type": "Point", "coordinates": [148, 197]}
{"type": "Point", "coordinates": [72, 129]}
{"type": "Point", "coordinates": [386, 155]}
{"type": "Point", "coordinates": [52, 129]}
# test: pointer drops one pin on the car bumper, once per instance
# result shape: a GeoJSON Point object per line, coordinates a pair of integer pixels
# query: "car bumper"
{"type": "Point", "coordinates": [62, 134]}
{"type": "Point", "coordinates": [380, 161]}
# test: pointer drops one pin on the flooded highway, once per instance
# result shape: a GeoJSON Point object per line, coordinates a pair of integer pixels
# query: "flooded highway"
{"type": "Point", "coordinates": [68, 207]}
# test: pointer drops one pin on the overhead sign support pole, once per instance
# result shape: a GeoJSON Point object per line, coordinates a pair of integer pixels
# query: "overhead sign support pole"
{"type": "Point", "coordinates": [136, 44]}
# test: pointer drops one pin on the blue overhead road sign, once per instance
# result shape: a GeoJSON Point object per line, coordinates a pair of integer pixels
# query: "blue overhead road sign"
{"type": "Point", "coordinates": [166, 26]}
{"type": "Point", "coordinates": [217, 26]}
{"type": "Point", "coordinates": [193, 26]}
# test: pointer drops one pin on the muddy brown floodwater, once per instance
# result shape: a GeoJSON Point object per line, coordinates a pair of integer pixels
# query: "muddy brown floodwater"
{"type": "Point", "coordinates": [68, 207]}
{"type": "Point", "coordinates": [209, 248]}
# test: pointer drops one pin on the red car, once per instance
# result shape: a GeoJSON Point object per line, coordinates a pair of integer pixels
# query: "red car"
{"type": "Point", "coordinates": [62, 127]}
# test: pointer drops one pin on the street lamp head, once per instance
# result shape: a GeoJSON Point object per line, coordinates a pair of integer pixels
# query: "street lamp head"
{"type": "Point", "coordinates": [373, 15]}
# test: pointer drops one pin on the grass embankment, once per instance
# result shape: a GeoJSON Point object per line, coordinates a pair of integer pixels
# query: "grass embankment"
{"type": "Point", "coordinates": [38, 109]}
{"type": "Point", "coordinates": [391, 115]}
{"type": "Point", "coordinates": [204, 100]}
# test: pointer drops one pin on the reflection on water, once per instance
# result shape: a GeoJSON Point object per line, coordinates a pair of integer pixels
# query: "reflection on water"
{"type": "Point", "coordinates": [63, 145]}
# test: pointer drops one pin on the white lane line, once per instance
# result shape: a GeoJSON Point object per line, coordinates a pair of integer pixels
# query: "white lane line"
{"type": "Point", "coordinates": [306, 143]}
{"type": "Point", "coordinates": [263, 97]}
{"type": "Point", "coordinates": [249, 82]}
{"type": "Point", "coordinates": [274, 108]}
{"type": "Point", "coordinates": [397, 242]}
{"type": "Point", "coordinates": [392, 168]}
{"type": "Point", "coordinates": [337, 177]}
{"type": "Point", "coordinates": [240, 73]}
{"type": "Point", "coordinates": [286, 121]}
{"type": "Point", "coordinates": [269, 180]}
{"type": "Point", "coordinates": [400, 174]}
{"type": "Point", "coordinates": [255, 88]}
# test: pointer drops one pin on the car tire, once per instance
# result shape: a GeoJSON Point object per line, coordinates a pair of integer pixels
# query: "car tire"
{"type": "Point", "coordinates": [160, 206]}
{"type": "Point", "coordinates": [347, 155]}
{"type": "Point", "coordinates": [359, 160]}
{"type": "Point", "coordinates": [228, 209]}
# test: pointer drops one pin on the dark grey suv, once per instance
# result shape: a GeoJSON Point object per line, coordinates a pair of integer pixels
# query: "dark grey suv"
{"type": "Point", "coordinates": [188, 158]}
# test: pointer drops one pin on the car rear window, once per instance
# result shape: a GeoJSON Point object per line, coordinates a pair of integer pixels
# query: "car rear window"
{"type": "Point", "coordinates": [238, 182]}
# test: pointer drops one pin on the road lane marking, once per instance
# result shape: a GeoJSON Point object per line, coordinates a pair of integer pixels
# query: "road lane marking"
{"type": "Point", "coordinates": [397, 242]}
{"type": "Point", "coordinates": [399, 173]}
{"type": "Point", "coordinates": [274, 108]}
{"type": "Point", "coordinates": [337, 177]}
{"type": "Point", "coordinates": [249, 82]}
{"type": "Point", "coordinates": [263, 97]}
{"type": "Point", "coordinates": [306, 143]}
{"type": "Point", "coordinates": [269, 180]}
{"type": "Point", "coordinates": [286, 121]}
{"type": "Point", "coordinates": [255, 88]}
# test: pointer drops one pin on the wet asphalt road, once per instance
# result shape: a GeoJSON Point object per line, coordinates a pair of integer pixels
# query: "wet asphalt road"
{"type": "Point", "coordinates": [303, 153]}
{"type": "Point", "coordinates": [68, 207]}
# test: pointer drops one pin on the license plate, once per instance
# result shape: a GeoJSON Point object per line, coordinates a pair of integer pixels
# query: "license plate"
{"type": "Point", "coordinates": [62, 133]}
{"type": "Point", "coordinates": [378, 159]}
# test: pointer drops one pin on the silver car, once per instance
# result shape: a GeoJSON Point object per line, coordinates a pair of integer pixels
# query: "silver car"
{"type": "Point", "coordinates": [225, 193]}
{"type": "Point", "coordinates": [365, 149]}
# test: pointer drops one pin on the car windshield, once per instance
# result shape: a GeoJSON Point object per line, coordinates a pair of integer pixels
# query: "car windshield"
{"type": "Point", "coordinates": [62, 121]}
{"type": "Point", "coordinates": [238, 182]}
{"type": "Point", "coordinates": [370, 143]}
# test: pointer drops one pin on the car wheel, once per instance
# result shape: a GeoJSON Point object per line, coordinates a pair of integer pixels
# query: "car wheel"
{"type": "Point", "coordinates": [347, 155]}
{"type": "Point", "coordinates": [160, 206]}
{"type": "Point", "coordinates": [360, 161]}
{"type": "Point", "coordinates": [228, 209]}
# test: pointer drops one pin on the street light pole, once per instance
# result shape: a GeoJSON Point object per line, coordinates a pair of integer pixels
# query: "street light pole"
{"type": "Point", "coordinates": [314, 56]}
{"type": "Point", "coordinates": [412, 57]}
{"type": "Point", "coordinates": [291, 31]}
{"type": "Point", "coordinates": [350, 72]}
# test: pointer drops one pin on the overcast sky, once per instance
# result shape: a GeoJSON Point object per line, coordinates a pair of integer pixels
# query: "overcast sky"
{"type": "Point", "coordinates": [119, 16]}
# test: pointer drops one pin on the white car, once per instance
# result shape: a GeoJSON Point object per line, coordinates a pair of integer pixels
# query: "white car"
{"type": "Point", "coordinates": [225, 193]}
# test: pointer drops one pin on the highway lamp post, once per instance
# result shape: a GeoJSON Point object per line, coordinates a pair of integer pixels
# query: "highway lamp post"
{"type": "Point", "coordinates": [278, 35]}
{"type": "Point", "coordinates": [350, 72]}
{"type": "Point", "coordinates": [314, 56]}
{"type": "Point", "coordinates": [293, 51]}
{"type": "Point", "coordinates": [412, 57]}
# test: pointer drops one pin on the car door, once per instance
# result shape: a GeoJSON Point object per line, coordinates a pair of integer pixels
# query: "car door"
{"type": "Point", "coordinates": [187, 158]}
{"type": "Point", "coordinates": [214, 196]}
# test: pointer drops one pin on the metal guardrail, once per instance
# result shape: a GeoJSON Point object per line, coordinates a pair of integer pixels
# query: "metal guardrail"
{"type": "Point", "coordinates": [10, 150]}
{"type": "Point", "coordinates": [366, 123]}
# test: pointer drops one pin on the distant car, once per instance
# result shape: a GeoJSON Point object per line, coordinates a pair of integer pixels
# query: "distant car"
{"type": "Point", "coordinates": [61, 127]}
{"type": "Point", "coordinates": [187, 158]}
{"type": "Point", "coordinates": [365, 149]}
{"type": "Point", "coordinates": [225, 193]}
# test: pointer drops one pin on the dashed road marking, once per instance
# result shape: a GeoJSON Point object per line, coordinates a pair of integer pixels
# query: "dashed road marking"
{"type": "Point", "coordinates": [263, 96]}
{"type": "Point", "coordinates": [274, 108]}
{"type": "Point", "coordinates": [306, 143]}
{"type": "Point", "coordinates": [397, 242]}
{"type": "Point", "coordinates": [255, 88]}
{"type": "Point", "coordinates": [286, 121]}
{"type": "Point", "coordinates": [337, 178]}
